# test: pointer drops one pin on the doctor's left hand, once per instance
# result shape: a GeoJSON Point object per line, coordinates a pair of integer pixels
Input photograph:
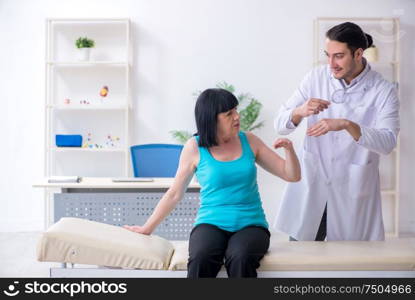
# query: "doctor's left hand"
{"type": "Point", "coordinates": [325, 125]}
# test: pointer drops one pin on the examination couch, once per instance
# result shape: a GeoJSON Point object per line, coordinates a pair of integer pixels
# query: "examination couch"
{"type": "Point", "coordinates": [92, 249]}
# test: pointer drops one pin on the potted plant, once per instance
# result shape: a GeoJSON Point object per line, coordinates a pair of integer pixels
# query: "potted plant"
{"type": "Point", "coordinates": [371, 54]}
{"type": "Point", "coordinates": [84, 45]}
{"type": "Point", "coordinates": [248, 113]}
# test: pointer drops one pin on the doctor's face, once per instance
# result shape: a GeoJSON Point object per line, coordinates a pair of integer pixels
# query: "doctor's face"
{"type": "Point", "coordinates": [342, 63]}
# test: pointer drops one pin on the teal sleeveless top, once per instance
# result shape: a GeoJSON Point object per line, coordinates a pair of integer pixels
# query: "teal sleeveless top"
{"type": "Point", "coordinates": [229, 197]}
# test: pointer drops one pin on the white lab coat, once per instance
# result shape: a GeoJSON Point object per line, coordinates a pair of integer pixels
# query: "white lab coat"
{"type": "Point", "coordinates": [336, 169]}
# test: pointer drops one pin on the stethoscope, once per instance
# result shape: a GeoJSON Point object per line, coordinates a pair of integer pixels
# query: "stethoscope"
{"type": "Point", "coordinates": [340, 96]}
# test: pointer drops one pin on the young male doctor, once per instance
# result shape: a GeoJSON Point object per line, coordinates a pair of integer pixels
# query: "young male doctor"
{"type": "Point", "coordinates": [352, 116]}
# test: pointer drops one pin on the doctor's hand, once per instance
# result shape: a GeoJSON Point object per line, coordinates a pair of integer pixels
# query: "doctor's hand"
{"type": "Point", "coordinates": [137, 229]}
{"type": "Point", "coordinates": [325, 125]}
{"type": "Point", "coordinates": [283, 143]}
{"type": "Point", "coordinates": [311, 107]}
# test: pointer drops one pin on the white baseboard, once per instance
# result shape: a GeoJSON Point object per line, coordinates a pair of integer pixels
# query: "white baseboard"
{"type": "Point", "coordinates": [407, 227]}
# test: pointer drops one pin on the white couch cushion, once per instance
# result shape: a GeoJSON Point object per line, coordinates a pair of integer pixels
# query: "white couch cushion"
{"type": "Point", "coordinates": [81, 241]}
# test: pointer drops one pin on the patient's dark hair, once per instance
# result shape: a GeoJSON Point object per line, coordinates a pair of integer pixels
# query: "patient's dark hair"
{"type": "Point", "coordinates": [209, 104]}
{"type": "Point", "coordinates": [351, 34]}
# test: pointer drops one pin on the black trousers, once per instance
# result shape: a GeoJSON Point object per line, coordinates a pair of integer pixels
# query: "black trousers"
{"type": "Point", "coordinates": [322, 229]}
{"type": "Point", "coordinates": [242, 250]}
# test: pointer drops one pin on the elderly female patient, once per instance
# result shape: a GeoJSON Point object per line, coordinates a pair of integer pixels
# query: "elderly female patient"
{"type": "Point", "coordinates": [230, 226]}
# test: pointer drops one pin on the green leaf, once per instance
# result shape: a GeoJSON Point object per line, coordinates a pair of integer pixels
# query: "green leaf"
{"type": "Point", "coordinates": [242, 98]}
{"type": "Point", "coordinates": [84, 42]}
{"type": "Point", "coordinates": [248, 114]}
{"type": "Point", "coordinates": [197, 93]}
{"type": "Point", "coordinates": [256, 126]}
{"type": "Point", "coordinates": [224, 85]}
{"type": "Point", "coordinates": [181, 136]}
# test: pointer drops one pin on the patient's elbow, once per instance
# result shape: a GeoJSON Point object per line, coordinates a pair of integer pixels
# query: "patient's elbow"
{"type": "Point", "coordinates": [173, 196]}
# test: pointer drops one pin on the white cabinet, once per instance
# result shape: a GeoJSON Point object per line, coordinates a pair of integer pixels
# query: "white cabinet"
{"type": "Point", "coordinates": [73, 102]}
{"type": "Point", "coordinates": [386, 34]}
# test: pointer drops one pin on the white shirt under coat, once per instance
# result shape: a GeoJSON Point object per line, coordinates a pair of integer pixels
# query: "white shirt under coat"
{"type": "Point", "coordinates": [336, 169]}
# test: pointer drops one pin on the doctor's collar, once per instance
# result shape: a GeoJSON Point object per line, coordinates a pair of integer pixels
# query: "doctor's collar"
{"type": "Point", "coordinates": [362, 77]}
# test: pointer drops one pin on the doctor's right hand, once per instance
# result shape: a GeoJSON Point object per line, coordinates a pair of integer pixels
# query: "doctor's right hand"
{"type": "Point", "coordinates": [312, 106]}
{"type": "Point", "coordinates": [137, 229]}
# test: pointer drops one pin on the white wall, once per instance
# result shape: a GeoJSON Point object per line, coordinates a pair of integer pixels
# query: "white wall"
{"type": "Point", "coordinates": [261, 46]}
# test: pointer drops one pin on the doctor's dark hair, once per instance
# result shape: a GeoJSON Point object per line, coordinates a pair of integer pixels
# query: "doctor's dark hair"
{"type": "Point", "coordinates": [209, 104]}
{"type": "Point", "coordinates": [351, 34]}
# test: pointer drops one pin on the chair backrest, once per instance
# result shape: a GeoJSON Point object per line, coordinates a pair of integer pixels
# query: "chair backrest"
{"type": "Point", "coordinates": [155, 160]}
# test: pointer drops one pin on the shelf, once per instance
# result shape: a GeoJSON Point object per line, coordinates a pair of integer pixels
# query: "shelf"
{"type": "Point", "coordinates": [379, 64]}
{"type": "Point", "coordinates": [390, 235]}
{"type": "Point", "coordinates": [384, 63]}
{"type": "Point", "coordinates": [368, 19]}
{"type": "Point", "coordinates": [105, 121]}
{"type": "Point", "coordinates": [84, 21]}
{"type": "Point", "coordinates": [79, 149]}
{"type": "Point", "coordinates": [388, 192]}
{"type": "Point", "coordinates": [87, 63]}
{"type": "Point", "coordinates": [87, 107]}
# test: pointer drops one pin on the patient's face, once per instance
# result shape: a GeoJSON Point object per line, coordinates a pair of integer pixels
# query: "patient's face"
{"type": "Point", "coordinates": [228, 123]}
{"type": "Point", "coordinates": [342, 64]}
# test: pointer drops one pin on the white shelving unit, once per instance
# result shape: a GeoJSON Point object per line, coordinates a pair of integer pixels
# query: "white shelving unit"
{"type": "Point", "coordinates": [104, 121]}
{"type": "Point", "coordinates": [385, 33]}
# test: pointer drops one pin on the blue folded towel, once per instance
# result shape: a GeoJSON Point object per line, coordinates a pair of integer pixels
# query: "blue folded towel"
{"type": "Point", "coordinates": [67, 140]}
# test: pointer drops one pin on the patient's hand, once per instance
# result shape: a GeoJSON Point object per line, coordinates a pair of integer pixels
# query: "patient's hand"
{"type": "Point", "coordinates": [283, 143]}
{"type": "Point", "coordinates": [137, 229]}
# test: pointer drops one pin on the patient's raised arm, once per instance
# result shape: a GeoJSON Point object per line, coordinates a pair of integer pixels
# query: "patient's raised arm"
{"type": "Point", "coordinates": [185, 171]}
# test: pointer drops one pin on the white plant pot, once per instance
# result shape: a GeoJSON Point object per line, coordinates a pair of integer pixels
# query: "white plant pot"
{"type": "Point", "coordinates": [84, 54]}
{"type": "Point", "coordinates": [371, 54]}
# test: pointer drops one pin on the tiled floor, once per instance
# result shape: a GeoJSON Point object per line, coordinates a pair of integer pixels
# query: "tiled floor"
{"type": "Point", "coordinates": [18, 256]}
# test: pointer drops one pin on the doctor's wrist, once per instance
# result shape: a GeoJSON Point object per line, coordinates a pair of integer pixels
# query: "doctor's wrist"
{"type": "Point", "coordinates": [345, 124]}
{"type": "Point", "coordinates": [297, 116]}
{"type": "Point", "coordinates": [353, 129]}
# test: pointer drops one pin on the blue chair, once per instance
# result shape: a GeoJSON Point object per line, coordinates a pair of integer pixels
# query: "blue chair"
{"type": "Point", "coordinates": [155, 160]}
